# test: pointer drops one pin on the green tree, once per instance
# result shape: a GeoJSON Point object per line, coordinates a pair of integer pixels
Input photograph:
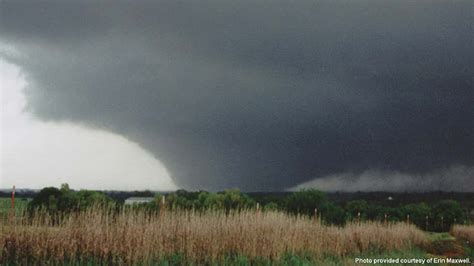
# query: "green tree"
{"type": "Point", "coordinates": [88, 198]}
{"type": "Point", "coordinates": [212, 200]}
{"type": "Point", "coordinates": [353, 208]}
{"type": "Point", "coordinates": [333, 214]}
{"type": "Point", "coordinates": [445, 213]}
{"type": "Point", "coordinates": [418, 213]}
{"type": "Point", "coordinates": [64, 199]}
{"type": "Point", "coordinates": [234, 199]}
{"type": "Point", "coordinates": [306, 201]}
{"type": "Point", "coordinates": [47, 199]}
{"type": "Point", "coordinates": [271, 206]}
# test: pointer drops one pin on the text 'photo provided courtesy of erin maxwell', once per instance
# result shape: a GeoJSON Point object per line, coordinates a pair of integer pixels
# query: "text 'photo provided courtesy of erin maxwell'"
{"type": "Point", "coordinates": [417, 261]}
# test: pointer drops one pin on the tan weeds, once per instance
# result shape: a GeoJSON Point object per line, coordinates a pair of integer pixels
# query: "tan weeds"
{"type": "Point", "coordinates": [464, 232]}
{"type": "Point", "coordinates": [131, 237]}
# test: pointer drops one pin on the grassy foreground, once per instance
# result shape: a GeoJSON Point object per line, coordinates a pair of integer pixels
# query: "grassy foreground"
{"type": "Point", "coordinates": [5, 207]}
{"type": "Point", "coordinates": [99, 236]}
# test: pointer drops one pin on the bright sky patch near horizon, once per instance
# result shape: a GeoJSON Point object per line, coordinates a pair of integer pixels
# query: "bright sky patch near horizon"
{"type": "Point", "coordinates": [36, 154]}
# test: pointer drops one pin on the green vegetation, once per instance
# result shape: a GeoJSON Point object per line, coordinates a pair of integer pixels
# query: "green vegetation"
{"type": "Point", "coordinates": [314, 202]}
{"type": "Point", "coordinates": [65, 200]}
{"type": "Point", "coordinates": [5, 207]}
{"type": "Point", "coordinates": [438, 216]}
{"type": "Point", "coordinates": [228, 200]}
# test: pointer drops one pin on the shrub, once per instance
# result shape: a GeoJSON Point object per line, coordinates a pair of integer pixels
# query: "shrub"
{"type": "Point", "coordinates": [65, 200]}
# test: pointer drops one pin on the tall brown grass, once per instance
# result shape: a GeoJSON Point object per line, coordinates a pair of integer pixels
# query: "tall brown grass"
{"type": "Point", "coordinates": [465, 232]}
{"type": "Point", "coordinates": [131, 237]}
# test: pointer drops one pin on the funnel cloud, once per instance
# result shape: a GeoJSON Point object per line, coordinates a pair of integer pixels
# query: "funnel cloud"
{"type": "Point", "coordinates": [259, 95]}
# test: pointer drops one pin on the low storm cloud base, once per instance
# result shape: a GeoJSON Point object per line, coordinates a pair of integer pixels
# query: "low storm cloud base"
{"type": "Point", "coordinates": [455, 178]}
{"type": "Point", "coordinates": [260, 95]}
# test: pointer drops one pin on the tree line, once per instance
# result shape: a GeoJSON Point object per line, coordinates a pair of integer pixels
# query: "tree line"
{"type": "Point", "coordinates": [435, 216]}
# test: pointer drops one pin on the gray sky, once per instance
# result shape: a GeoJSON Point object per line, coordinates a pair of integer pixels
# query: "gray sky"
{"type": "Point", "coordinates": [260, 95]}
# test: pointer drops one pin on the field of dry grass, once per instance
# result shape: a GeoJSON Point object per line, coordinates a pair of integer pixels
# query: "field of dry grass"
{"type": "Point", "coordinates": [136, 237]}
{"type": "Point", "coordinates": [464, 232]}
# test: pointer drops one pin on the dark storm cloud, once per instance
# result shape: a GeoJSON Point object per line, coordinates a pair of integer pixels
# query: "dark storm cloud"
{"type": "Point", "coordinates": [258, 94]}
